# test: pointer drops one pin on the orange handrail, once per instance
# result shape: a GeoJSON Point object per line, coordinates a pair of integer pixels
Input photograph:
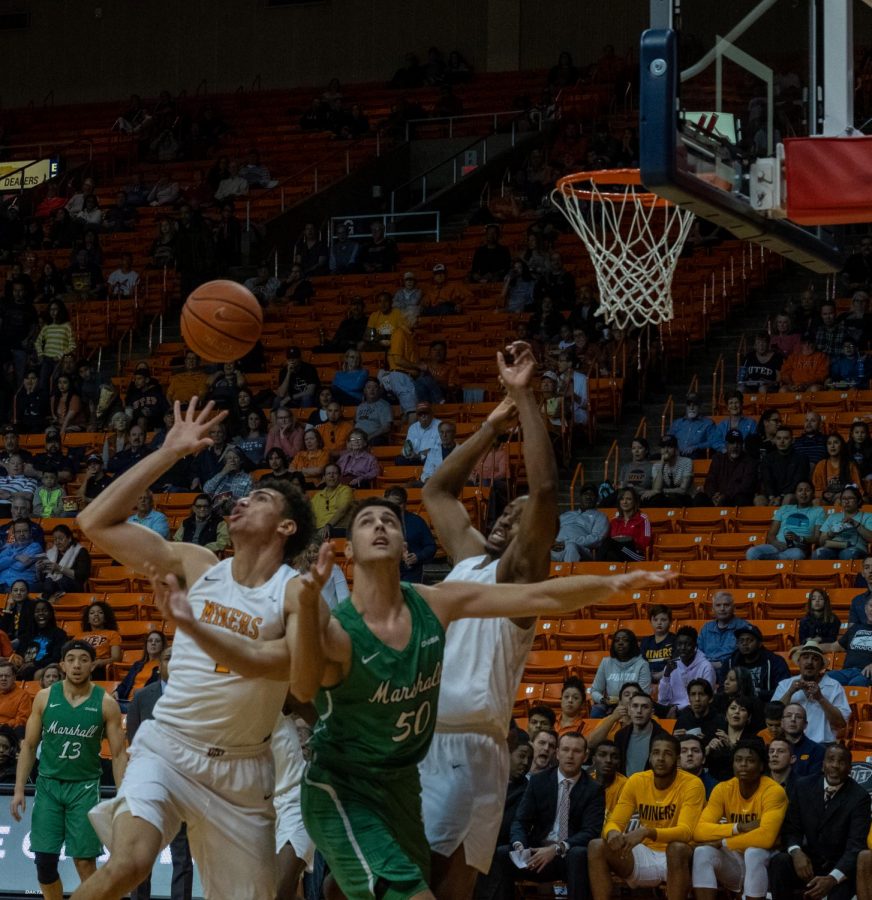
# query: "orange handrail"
{"type": "Point", "coordinates": [577, 476]}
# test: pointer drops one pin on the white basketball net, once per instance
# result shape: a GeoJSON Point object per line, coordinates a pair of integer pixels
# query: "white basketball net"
{"type": "Point", "coordinates": [634, 246]}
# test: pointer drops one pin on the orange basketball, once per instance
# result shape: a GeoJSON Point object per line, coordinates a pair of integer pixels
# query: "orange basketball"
{"type": "Point", "coordinates": [221, 321]}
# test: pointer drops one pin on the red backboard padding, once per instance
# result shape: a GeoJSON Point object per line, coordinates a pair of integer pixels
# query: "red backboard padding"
{"type": "Point", "coordinates": [829, 180]}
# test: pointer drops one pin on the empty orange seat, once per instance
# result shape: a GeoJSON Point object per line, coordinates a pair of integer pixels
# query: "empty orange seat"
{"type": "Point", "coordinates": [778, 635]}
{"type": "Point", "coordinates": [584, 634]}
{"type": "Point", "coordinates": [544, 629]}
{"type": "Point", "coordinates": [753, 518]}
{"type": "Point", "coordinates": [681, 601]}
{"type": "Point", "coordinates": [527, 695]}
{"type": "Point", "coordinates": [733, 546]}
{"type": "Point", "coordinates": [825, 573]}
{"type": "Point", "coordinates": [706, 573]}
{"type": "Point", "coordinates": [620, 606]}
{"type": "Point", "coordinates": [763, 573]}
{"type": "Point", "coordinates": [677, 547]}
{"type": "Point", "coordinates": [550, 665]}
{"type": "Point", "coordinates": [706, 520]}
{"type": "Point", "coordinates": [862, 737]}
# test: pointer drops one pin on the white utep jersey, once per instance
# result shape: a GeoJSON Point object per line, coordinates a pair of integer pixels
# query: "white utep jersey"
{"type": "Point", "coordinates": [204, 700]}
{"type": "Point", "coordinates": [288, 755]}
{"type": "Point", "coordinates": [483, 664]}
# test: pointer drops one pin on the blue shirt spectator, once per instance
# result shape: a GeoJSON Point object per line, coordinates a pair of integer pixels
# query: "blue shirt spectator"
{"type": "Point", "coordinates": [18, 559]}
{"type": "Point", "coordinates": [149, 517]}
{"type": "Point", "coordinates": [717, 639]}
{"type": "Point", "coordinates": [693, 432]}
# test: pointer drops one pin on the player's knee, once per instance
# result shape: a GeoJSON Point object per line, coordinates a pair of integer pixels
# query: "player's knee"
{"type": "Point", "coordinates": [678, 853]}
{"type": "Point", "coordinates": [131, 867]}
{"type": "Point", "coordinates": [47, 867]}
{"type": "Point", "coordinates": [596, 848]}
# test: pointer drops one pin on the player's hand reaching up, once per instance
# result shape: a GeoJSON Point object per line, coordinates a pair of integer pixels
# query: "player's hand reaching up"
{"type": "Point", "coordinates": [503, 416]}
{"type": "Point", "coordinates": [318, 575]}
{"type": "Point", "coordinates": [190, 431]}
{"type": "Point", "coordinates": [516, 366]}
{"type": "Point", "coordinates": [171, 599]}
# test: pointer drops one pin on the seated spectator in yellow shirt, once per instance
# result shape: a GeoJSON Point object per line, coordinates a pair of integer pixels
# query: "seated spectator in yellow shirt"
{"type": "Point", "coordinates": [190, 382]}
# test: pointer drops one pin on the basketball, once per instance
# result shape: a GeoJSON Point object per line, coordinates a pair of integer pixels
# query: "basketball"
{"type": "Point", "coordinates": [221, 321]}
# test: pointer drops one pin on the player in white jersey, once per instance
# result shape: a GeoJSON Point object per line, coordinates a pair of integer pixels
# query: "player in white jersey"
{"type": "Point", "coordinates": [205, 757]}
{"type": "Point", "coordinates": [465, 773]}
{"type": "Point", "coordinates": [295, 848]}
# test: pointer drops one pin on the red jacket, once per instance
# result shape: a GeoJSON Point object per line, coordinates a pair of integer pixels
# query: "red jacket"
{"type": "Point", "coordinates": [637, 527]}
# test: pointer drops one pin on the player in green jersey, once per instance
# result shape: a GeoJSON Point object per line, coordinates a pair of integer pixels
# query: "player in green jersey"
{"type": "Point", "coordinates": [69, 719]}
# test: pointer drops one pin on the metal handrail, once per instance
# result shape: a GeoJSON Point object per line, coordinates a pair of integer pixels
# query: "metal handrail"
{"type": "Point", "coordinates": [577, 476]}
{"type": "Point", "coordinates": [612, 459]}
{"type": "Point", "coordinates": [452, 119]}
{"type": "Point", "coordinates": [385, 219]}
{"type": "Point", "coordinates": [668, 412]}
{"type": "Point", "coordinates": [717, 383]}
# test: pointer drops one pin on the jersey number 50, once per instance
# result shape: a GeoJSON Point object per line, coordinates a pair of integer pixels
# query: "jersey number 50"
{"type": "Point", "coordinates": [413, 721]}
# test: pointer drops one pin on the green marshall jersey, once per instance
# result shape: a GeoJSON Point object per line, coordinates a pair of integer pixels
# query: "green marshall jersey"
{"type": "Point", "coordinates": [380, 718]}
{"type": "Point", "coordinates": [71, 736]}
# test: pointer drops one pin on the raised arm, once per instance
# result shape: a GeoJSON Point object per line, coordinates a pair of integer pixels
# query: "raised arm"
{"type": "Point", "coordinates": [104, 520]}
{"type": "Point", "coordinates": [528, 556]}
{"type": "Point", "coordinates": [469, 600]}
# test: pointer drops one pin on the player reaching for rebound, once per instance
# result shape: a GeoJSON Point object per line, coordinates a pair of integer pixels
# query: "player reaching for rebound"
{"type": "Point", "coordinates": [69, 719]}
{"type": "Point", "coordinates": [205, 758]}
{"type": "Point", "coordinates": [378, 657]}
{"type": "Point", "coordinates": [464, 775]}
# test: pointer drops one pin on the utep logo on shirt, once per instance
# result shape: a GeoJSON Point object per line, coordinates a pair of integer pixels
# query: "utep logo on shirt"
{"type": "Point", "coordinates": [232, 619]}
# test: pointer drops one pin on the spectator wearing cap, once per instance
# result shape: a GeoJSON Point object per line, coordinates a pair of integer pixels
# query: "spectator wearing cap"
{"type": "Point", "coordinates": [693, 432]}
{"type": "Point", "coordinates": [822, 697]}
{"type": "Point", "coordinates": [806, 369]}
{"type": "Point", "coordinates": [95, 481]}
{"type": "Point", "coordinates": [344, 252]}
{"type": "Point", "coordinates": [149, 517]}
{"type": "Point", "coordinates": [767, 668]}
{"type": "Point", "coordinates": [733, 421]}
{"type": "Point", "coordinates": [408, 298]}
{"type": "Point", "coordinates": [760, 370]}
{"type": "Point", "coordinates": [782, 470]}
{"type": "Point", "coordinates": [443, 297]}
{"type": "Point", "coordinates": [672, 476]}
{"type": "Point", "coordinates": [145, 401]}
{"type": "Point", "coordinates": [420, 544]}
{"type": "Point", "coordinates": [582, 531]}
{"type": "Point", "coordinates": [795, 528]}
{"type": "Point", "coordinates": [53, 457]}
{"type": "Point", "coordinates": [299, 382]}
{"type": "Point", "coordinates": [856, 643]}
{"type": "Point", "coordinates": [732, 478]}
{"type": "Point", "coordinates": [846, 534]}
{"type": "Point", "coordinates": [492, 260]}
{"type": "Point", "coordinates": [422, 436]}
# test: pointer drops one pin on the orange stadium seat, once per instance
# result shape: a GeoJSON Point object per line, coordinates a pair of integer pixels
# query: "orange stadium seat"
{"type": "Point", "coordinates": [681, 601]}
{"type": "Point", "coordinates": [753, 518]}
{"type": "Point", "coordinates": [705, 520]}
{"type": "Point", "coordinates": [733, 546]}
{"type": "Point", "coordinates": [544, 629]}
{"type": "Point", "coordinates": [783, 603]}
{"type": "Point", "coordinates": [526, 696]}
{"type": "Point", "coordinates": [550, 665]}
{"type": "Point", "coordinates": [825, 573]}
{"type": "Point", "coordinates": [778, 635]}
{"type": "Point", "coordinates": [706, 573]}
{"type": "Point", "coordinates": [762, 573]}
{"type": "Point", "coordinates": [678, 547]}
{"type": "Point", "coordinates": [619, 606]}
{"type": "Point", "coordinates": [862, 737]}
{"type": "Point", "coordinates": [584, 634]}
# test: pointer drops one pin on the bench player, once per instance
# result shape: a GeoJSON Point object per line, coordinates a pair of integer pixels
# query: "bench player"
{"type": "Point", "coordinates": [464, 775]}
{"type": "Point", "coordinates": [69, 720]}
{"type": "Point", "coordinates": [205, 758]}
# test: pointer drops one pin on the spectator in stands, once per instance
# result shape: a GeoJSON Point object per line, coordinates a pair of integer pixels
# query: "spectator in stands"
{"type": "Point", "coordinates": [62, 231]}
{"type": "Point", "coordinates": [759, 372]}
{"type": "Point", "coordinates": [54, 458]}
{"type": "Point", "coordinates": [164, 193]}
{"type": "Point", "coordinates": [582, 531]}
{"type": "Point", "coordinates": [806, 369]}
{"type": "Point", "coordinates": [195, 249]}
{"type": "Point", "coordinates": [846, 534]}
{"type": "Point", "coordinates": [443, 297]}
{"type": "Point", "coordinates": [808, 754]}
{"type": "Point", "coordinates": [784, 338]}
{"type": "Point", "coordinates": [49, 498]}
{"type": "Point", "coordinates": [336, 430]}
{"type": "Point", "coordinates": [381, 323]}
{"type": "Point", "coordinates": [618, 718]}
{"type": "Point", "coordinates": [255, 172]}
{"type": "Point", "coordinates": [99, 629]}
{"type": "Point", "coordinates": [149, 517]}
{"type": "Point", "coordinates": [693, 432]}
{"type": "Point", "coordinates": [763, 440]}
{"type": "Point", "coordinates": [163, 248]}
{"type": "Point", "coordinates": [95, 479]}
{"type": "Point", "coordinates": [634, 740]}
{"type": "Point", "coordinates": [90, 215]}
{"type": "Point", "coordinates": [860, 449]}
{"type": "Point", "coordinates": [687, 664]}
{"type": "Point", "coordinates": [131, 454]}
{"type": "Point", "coordinates": [263, 285]}
{"type": "Point", "coordinates": [318, 416]}
{"type": "Point", "coordinates": [767, 669]}
{"type": "Point", "coordinates": [436, 455]}
{"type": "Point", "coordinates": [277, 460]}
{"type": "Point", "coordinates": [190, 382]}
{"type": "Point", "coordinates": [227, 235]}
{"type": "Point", "coordinates": [857, 612]}
{"type": "Point", "coordinates": [66, 410]}
{"type": "Point", "coordinates": [332, 504]}
{"type": "Point", "coordinates": [782, 470]}
{"type": "Point", "coordinates": [234, 185]}
{"type": "Point", "coordinates": [20, 327]}
{"type": "Point", "coordinates": [443, 371]}
{"type": "Point", "coordinates": [857, 273]}
{"type": "Point", "coordinates": [638, 472]}
{"type": "Point", "coordinates": [379, 254]}
{"type": "Point", "coordinates": [18, 559]}
{"type": "Point", "coordinates": [295, 288]}
{"type": "Point", "coordinates": [349, 380]}
{"type": "Point", "coordinates": [374, 415]}
{"type": "Point", "coordinates": [544, 744]}
{"type": "Point", "coordinates": [820, 623]}
{"type": "Point", "coordinates": [572, 707]}
{"type": "Point", "coordinates": [84, 280]}
{"type": "Point", "coordinates": [659, 647]}
{"type": "Point", "coordinates": [629, 535]}
{"type": "Point", "coordinates": [518, 284]}
{"type": "Point", "coordinates": [204, 526]}
{"type": "Point", "coordinates": [44, 642]}
{"type": "Point", "coordinates": [806, 315]}
{"type": "Point", "coordinates": [121, 216]}
{"type": "Point", "coordinates": [719, 750]}
{"type": "Point", "coordinates": [717, 638]}
{"type": "Point", "coordinates": [733, 421]}
{"type": "Point", "coordinates": [55, 339]}
{"type": "Point", "coordinates": [546, 323]}
{"type": "Point", "coordinates": [574, 385]}
{"type": "Point", "coordinates": [408, 378]}
{"type": "Point", "coordinates": [50, 285]}
{"type": "Point", "coordinates": [781, 760]}
{"type": "Point", "coordinates": [310, 252]}
{"type": "Point", "coordinates": [344, 252]}
{"type": "Point", "coordinates": [795, 528]}
{"type": "Point", "coordinates": [146, 670]}
{"type": "Point", "coordinates": [700, 715]}
{"type": "Point", "coordinates": [492, 261]}
{"type": "Point", "coordinates": [312, 459]}
{"type": "Point", "coordinates": [857, 321]}
{"type": "Point", "coordinates": [408, 298]}
{"type": "Point", "coordinates": [672, 476]}
{"type": "Point", "coordinates": [732, 478]}
{"type": "Point", "coordinates": [252, 437]}
{"type": "Point", "coordinates": [77, 201]}
{"type": "Point", "coordinates": [12, 447]}
{"type": "Point", "coordinates": [830, 334]}
{"type": "Point", "coordinates": [541, 718]}
{"type": "Point", "coordinates": [823, 698]}
{"type": "Point", "coordinates": [124, 280]}
{"type": "Point", "coordinates": [351, 332]}
{"type": "Point", "coordinates": [692, 760]}
{"type": "Point", "coordinates": [832, 474]}
{"type": "Point", "coordinates": [420, 544]}
{"type": "Point", "coordinates": [15, 481]}
{"type": "Point", "coordinates": [9, 746]}
{"type": "Point", "coordinates": [856, 642]}
{"type": "Point", "coordinates": [358, 467]}
{"type": "Point", "coordinates": [15, 701]}
{"type": "Point", "coordinates": [850, 369]}
{"type": "Point", "coordinates": [624, 663]}
{"type": "Point", "coordinates": [232, 482]}
{"type": "Point", "coordinates": [298, 383]}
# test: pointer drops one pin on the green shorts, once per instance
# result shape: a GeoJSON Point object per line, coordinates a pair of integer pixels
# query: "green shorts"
{"type": "Point", "coordinates": [60, 816]}
{"type": "Point", "coordinates": [370, 832]}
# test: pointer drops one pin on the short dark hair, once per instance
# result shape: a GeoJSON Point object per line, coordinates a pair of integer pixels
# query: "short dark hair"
{"type": "Point", "coordinates": [747, 703]}
{"type": "Point", "coordinates": [607, 743]}
{"type": "Point", "coordinates": [399, 492]}
{"type": "Point", "coordinates": [704, 683]}
{"type": "Point", "coordinates": [69, 646]}
{"type": "Point", "coordinates": [688, 631]}
{"type": "Point", "coordinates": [633, 640]}
{"type": "Point", "coordinates": [370, 502]}
{"type": "Point", "coordinates": [8, 732]}
{"type": "Point", "coordinates": [755, 745]}
{"type": "Point", "coordinates": [689, 736]}
{"type": "Point", "coordinates": [774, 709]}
{"type": "Point", "coordinates": [298, 508]}
{"type": "Point", "coordinates": [571, 734]}
{"type": "Point", "coordinates": [666, 738]}
{"type": "Point", "coordinates": [540, 710]}
{"type": "Point", "coordinates": [838, 745]}
{"type": "Point", "coordinates": [658, 609]}
{"type": "Point", "coordinates": [573, 682]}
{"type": "Point", "coordinates": [5, 664]}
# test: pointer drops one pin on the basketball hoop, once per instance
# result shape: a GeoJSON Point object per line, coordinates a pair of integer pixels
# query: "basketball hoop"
{"type": "Point", "coordinates": [634, 239]}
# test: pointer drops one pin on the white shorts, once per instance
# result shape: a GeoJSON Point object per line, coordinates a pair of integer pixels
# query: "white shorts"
{"type": "Point", "coordinates": [463, 792]}
{"type": "Point", "coordinates": [744, 872]}
{"type": "Point", "coordinates": [225, 798]}
{"type": "Point", "coordinates": [649, 867]}
{"type": "Point", "coordinates": [290, 828]}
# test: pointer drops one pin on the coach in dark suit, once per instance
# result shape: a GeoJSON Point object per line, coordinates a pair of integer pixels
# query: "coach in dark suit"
{"type": "Point", "coordinates": [140, 709]}
{"type": "Point", "coordinates": [825, 828]}
{"type": "Point", "coordinates": [561, 812]}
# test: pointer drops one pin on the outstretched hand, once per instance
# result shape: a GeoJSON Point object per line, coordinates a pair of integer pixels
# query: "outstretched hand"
{"type": "Point", "coordinates": [642, 579]}
{"type": "Point", "coordinates": [318, 575]}
{"type": "Point", "coordinates": [190, 432]}
{"type": "Point", "coordinates": [171, 599]}
{"type": "Point", "coordinates": [517, 375]}
{"type": "Point", "coordinates": [503, 416]}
